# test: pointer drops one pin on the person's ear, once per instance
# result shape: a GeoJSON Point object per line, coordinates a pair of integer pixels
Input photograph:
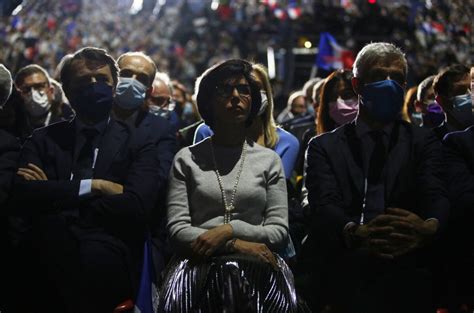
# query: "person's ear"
{"type": "Point", "coordinates": [356, 85]}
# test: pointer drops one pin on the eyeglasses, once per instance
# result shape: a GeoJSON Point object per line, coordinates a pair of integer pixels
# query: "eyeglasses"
{"type": "Point", "coordinates": [160, 101]}
{"type": "Point", "coordinates": [225, 90]}
{"type": "Point", "coordinates": [38, 86]}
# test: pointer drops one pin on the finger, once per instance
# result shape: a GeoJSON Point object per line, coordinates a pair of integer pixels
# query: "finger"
{"type": "Point", "coordinates": [25, 175]}
{"type": "Point", "coordinates": [30, 172]}
{"type": "Point", "coordinates": [385, 256]}
{"type": "Point", "coordinates": [384, 219]}
{"type": "Point", "coordinates": [273, 261]}
{"type": "Point", "coordinates": [381, 230]}
{"type": "Point", "coordinates": [38, 170]}
{"type": "Point", "coordinates": [196, 245]}
{"type": "Point", "coordinates": [378, 242]}
{"type": "Point", "coordinates": [398, 212]}
{"type": "Point", "coordinates": [203, 248]}
{"type": "Point", "coordinates": [402, 237]}
{"type": "Point", "coordinates": [403, 226]}
{"type": "Point", "coordinates": [209, 251]}
{"type": "Point", "coordinates": [33, 172]}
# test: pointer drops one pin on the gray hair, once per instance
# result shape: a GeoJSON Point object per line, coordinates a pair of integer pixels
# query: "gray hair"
{"type": "Point", "coordinates": [6, 84]}
{"type": "Point", "coordinates": [424, 86]}
{"type": "Point", "coordinates": [165, 78]}
{"type": "Point", "coordinates": [373, 53]}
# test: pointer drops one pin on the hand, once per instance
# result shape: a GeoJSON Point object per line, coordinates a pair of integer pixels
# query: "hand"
{"type": "Point", "coordinates": [106, 187]}
{"type": "Point", "coordinates": [260, 250]}
{"type": "Point", "coordinates": [32, 172]}
{"type": "Point", "coordinates": [374, 237]}
{"type": "Point", "coordinates": [410, 231]}
{"type": "Point", "coordinates": [207, 243]}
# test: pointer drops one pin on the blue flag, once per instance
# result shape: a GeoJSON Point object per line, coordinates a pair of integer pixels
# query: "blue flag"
{"type": "Point", "coordinates": [147, 298]}
{"type": "Point", "coordinates": [328, 57]}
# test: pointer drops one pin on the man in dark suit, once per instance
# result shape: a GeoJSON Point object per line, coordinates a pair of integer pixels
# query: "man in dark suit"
{"type": "Point", "coordinates": [376, 197]}
{"type": "Point", "coordinates": [451, 87]}
{"type": "Point", "coordinates": [459, 260]}
{"type": "Point", "coordinates": [9, 148]}
{"type": "Point", "coordinates": [135, 86]}
{"type": "Point", "coordinates": [87, 187]}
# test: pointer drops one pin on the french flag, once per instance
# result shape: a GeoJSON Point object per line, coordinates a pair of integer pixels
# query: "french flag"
{"type": "Point", "coordinates": [331, 55]}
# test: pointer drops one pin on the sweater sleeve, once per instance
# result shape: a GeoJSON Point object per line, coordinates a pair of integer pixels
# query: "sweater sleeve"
{"type": "Point", "coordinates": [274, 230]}
{"type": "Point", "coordinates": [182, 232]}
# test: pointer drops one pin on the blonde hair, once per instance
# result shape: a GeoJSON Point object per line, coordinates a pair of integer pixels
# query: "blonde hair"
{"type": "Point", "coordinates": [269, 125]}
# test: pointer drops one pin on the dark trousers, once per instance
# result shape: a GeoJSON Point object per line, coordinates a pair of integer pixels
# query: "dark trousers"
{"type": "Point", "coordinates": [73, 269]}
{"type": "Point", "coordinates": [356, 283]}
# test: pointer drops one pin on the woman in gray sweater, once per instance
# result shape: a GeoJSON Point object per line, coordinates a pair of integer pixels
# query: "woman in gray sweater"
{"type": "Point", "coordinates": [227, 208]}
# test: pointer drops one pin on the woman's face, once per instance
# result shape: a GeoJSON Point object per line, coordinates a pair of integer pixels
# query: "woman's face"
{"type": "Point", "coordinates": [343, 90]}
{"type": "Point", "coordinates": [232, 100]}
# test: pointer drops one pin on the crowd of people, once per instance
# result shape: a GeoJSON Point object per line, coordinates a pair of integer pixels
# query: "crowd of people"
{"type": "Point", "coordinates": [123, 188]}
{"type": "Point", "coordinates": [186, 37]}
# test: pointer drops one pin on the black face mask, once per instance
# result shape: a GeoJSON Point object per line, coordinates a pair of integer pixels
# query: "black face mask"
{"type": "Point", "coordinates": [93, 102]}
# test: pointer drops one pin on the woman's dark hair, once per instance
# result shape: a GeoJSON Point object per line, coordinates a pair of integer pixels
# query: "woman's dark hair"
{"type": "Point", "coordinates": [212, 78]}
{"type": "Point", "coordinates": [324, 122]}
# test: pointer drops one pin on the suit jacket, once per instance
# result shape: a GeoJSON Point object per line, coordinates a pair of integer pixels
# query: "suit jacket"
{"type": "Point", "coordinates": [125, 157]}
{"type": "Point", "coordinates": [335, 178]}
{"type": "Point", "coordinates": [459, 157]}
{"type": "Point", "coordinates": [9, 150]}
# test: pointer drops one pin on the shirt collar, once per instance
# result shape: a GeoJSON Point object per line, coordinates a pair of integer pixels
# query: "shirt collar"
{"type": "Point", "coordinates": [100, 127]}
{"type": "Point", "coordinates": [362, 128]}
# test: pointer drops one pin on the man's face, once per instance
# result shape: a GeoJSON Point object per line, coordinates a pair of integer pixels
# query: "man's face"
{"type": "Point", "coordinates": [160, 95]}
{"type": "Point", "coordinates": [298, 107]}
{"type": "Point", "coordinates": [458, 88]}
{"type": "Point", "coordinates": [379, 71]}
{"type": "Point", "coordinates": [38, 82]}
{"type": "Point", "coordinates": [85, 72]}
{"type": "Point", "coordinates": [137, 67]}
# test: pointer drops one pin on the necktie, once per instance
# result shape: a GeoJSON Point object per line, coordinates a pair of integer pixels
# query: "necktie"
{"type": "Point", "coordinates": [377, 159]}
{"type": "Point", "coordinates": [83, 166]}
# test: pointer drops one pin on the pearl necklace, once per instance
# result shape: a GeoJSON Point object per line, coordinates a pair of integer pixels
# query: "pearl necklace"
{"type": "Point", "coordinates": [229, 207]}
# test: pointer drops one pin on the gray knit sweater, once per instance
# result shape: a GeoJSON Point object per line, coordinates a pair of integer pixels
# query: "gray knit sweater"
{"type": "Point", "coordinates": [195, 202]}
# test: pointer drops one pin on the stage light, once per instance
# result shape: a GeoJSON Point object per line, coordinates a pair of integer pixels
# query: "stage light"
{"type": "Point", "coordinates": [308, 44]}
{"type": "Point", "coordinates": [17, 10]}
{"type": "Point", "coordinates": [215, 5]}
{"type": "Point", "coordinates": [372, 1]}
{"type": "Point", "coordinates": [136, 7]}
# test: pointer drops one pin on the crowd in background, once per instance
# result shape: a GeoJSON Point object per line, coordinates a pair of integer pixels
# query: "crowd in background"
{"type": "Point", "coordinates": [185, 37]}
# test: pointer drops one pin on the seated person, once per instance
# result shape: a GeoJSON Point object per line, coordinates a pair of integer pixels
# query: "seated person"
{"type": "Point", "coordinates": [263, 129]}
{"type": "Point", "coordinates": [86, 188]}
{"type": "Point", "coordinates": [227, 208]}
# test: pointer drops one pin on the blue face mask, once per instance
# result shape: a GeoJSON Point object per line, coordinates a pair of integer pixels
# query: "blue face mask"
{"type": "Point", "coordinates": [130, 93]}
{"type": "Point", "coordinates": [383, 100]}
{"type": "Point", "coordinates": [188, 109]}
{"type": "Point", "coordinates": [416, 118]}
{"type": "Point", "coordinates": [461, 113]}
{"type": "Point", "coordinates": [462, 101]}
{"type": "Point", "coordinates": [93, 101]}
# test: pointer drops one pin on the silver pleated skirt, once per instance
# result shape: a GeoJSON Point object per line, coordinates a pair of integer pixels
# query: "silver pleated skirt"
{"type": "Point", "coordinates": [231, 283]}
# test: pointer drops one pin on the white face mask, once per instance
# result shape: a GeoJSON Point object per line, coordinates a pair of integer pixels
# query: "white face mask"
{"type": "Point", "coordinates": [263, 106]}
{"type": "Point", "coordinates": [37, 103]}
